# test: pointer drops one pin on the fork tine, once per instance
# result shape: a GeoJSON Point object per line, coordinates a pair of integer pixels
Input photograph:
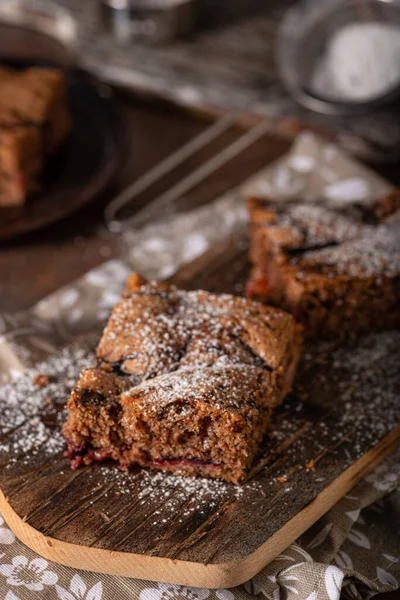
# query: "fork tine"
{"type": "Point", "coordinates": [205, 170]}
{"type": "Point", "coordinates": [167, 165]}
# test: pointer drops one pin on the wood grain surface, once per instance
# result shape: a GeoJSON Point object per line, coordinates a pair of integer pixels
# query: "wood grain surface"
{"type": "Point", "coordinates": [156, 527]}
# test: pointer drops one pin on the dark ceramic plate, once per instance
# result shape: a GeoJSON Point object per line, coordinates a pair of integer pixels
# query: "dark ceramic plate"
{"type": "Point", "coordinates": [80, 169]}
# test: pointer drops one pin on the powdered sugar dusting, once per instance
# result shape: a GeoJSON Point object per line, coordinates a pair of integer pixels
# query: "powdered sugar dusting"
{"type": "Point", "coordinates": [377, 252]}
{"type": "Point", "coordinates": [319, 225]}
{"type": "Point", "coordinates": [363, 379]}
{"type": "Point", "coordinates": [224, 387]}
{"type": "Point", "coordinates": [356, 386]}
{"type": "Point", "coordinates": [166, 496]}
{"type": "Point", "coordinates": [161, 328]}
{"type": "Point", "coordinates": [30, 415]}
{"type": "Point", "coordinates": [337, 241]}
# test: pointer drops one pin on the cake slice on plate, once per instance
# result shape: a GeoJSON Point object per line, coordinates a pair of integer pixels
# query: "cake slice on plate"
{"type": "Point", "coordinates": [185, 382]}
{"type": "Point", "coordinates": [34, 120]}
{"type": "Point", "coordinates": [35, 97]}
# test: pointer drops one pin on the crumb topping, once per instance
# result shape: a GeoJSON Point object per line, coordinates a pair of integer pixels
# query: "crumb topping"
{"type": "Point", "coordinates": [160, 329]}
{"type": "Point", "coordinates": [376, 253]}
{"type": "Point", "coordinates": [319, 225]}
{"type": "Point", "coordinates": [223, 387]}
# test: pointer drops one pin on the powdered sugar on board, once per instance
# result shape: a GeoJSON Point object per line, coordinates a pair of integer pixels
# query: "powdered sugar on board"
{"type": "Point", "coordinates": [32, 412]}
{"type": "Point", "coordinates": [348, 405]}
{"type": "Point", "coordinates": [164, 495]}
{"type": "Point", "coordinates": [360, 380]}
{"type": "Point", "coordinates": [347, 393]}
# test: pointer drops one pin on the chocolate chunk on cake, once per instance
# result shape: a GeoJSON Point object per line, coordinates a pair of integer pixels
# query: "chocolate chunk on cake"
{"type": "Point", "coordinates": [185, 382]}
{"type": "Point", "coordinates": [34, 121]}
{"type": "Point", "coordinates": [336, 270]}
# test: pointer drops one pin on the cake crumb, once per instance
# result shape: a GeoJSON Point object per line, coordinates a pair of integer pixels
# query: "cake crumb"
{"type": "Point", "coordinates": [311, 465]}
{"type": "Point", "coordinates": [41, 379]}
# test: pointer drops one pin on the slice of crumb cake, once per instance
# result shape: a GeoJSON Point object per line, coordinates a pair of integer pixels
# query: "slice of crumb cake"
{"type": "Point", "coordinates": [186, 382]}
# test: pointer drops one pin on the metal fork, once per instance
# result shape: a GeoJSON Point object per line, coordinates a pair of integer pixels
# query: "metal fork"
{"type": "Point", "coordinates": [167, 198]}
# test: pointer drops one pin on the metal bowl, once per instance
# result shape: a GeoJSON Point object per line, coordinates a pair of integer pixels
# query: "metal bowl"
{"type": "Point", "coordinates": [154, 21]}
{"type": "Point", "coordinates": [37, 32]}
{"type": "Point", "coordinates": [302, 40]}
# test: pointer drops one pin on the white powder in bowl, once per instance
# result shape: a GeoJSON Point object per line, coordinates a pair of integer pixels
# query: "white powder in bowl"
{"type": "Point", "coordinates": [361, 62]}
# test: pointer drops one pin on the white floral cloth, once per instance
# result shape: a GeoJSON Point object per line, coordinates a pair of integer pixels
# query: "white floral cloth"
{"type": "Point", "coordinates": [30, 574]}
{"type": "Point", "coordinates": [353, 552]}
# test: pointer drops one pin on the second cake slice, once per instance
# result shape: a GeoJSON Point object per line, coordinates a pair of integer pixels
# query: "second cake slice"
{"type": "Point", "coordinates": [337, 271]}
{"type": "Point", "coordinates": [185, 382]}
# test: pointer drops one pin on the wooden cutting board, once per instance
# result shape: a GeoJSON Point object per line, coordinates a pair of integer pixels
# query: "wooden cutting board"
{"type": "Point", "coordinates": [339, 423]}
